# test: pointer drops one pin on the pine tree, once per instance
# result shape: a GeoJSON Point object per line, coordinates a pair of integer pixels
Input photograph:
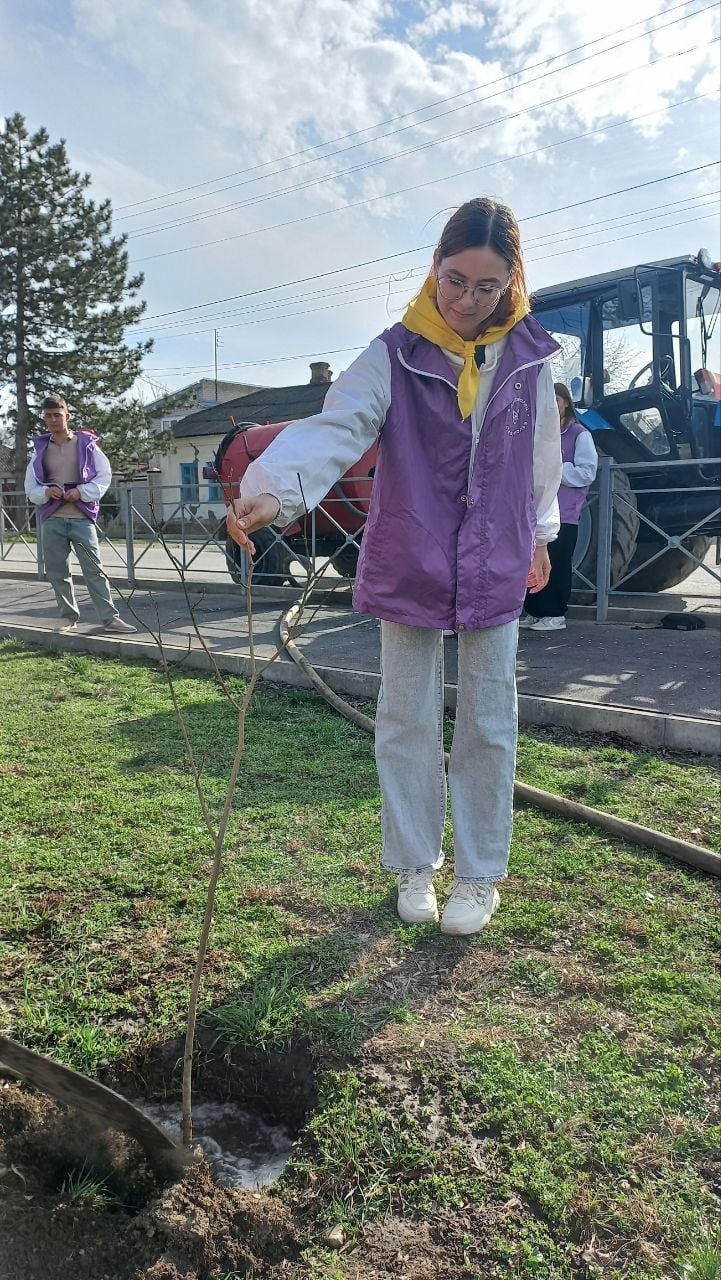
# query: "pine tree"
{"type": "Point", "coordinates": [125, 436]}
{"type": "Point", "coordinates": [65, 295]}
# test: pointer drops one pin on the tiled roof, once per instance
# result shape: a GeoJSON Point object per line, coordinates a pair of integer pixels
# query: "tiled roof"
{"type": "Point", "coordinates": [271, 404]}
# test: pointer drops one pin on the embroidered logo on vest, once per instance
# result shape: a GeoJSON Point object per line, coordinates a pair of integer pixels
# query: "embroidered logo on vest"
{"type": "Point", "coordinates": [518, 416]}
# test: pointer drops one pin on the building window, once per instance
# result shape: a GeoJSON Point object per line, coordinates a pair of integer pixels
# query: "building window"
{"type": "Point", "coordinates": [189, 489]}
{"type": "Point", "coordinates": [215, 492]}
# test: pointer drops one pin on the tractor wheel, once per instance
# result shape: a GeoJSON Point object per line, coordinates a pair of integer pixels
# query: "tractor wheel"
{"type": "Point", "coordinates": [273, 560]}
{"type": "Point", "coordinates": [346, 561]}
{"type": "Point", "coordinates": [623, 541]}
{"type": "Point", "coordinates": [670, 568]}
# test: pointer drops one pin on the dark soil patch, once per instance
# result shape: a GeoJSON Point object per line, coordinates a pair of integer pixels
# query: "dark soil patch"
{"type": "Point", "coordinates": [190, 1230]}
{"type": "Point", "coordinates": [279, 1086]}
{"type": "Point", "coordinates": [79, 1202]}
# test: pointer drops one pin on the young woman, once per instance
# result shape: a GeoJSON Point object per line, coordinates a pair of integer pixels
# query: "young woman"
{"type": "Point", "coordinates": [460, 395]}
{"type": "Point", "coordinates": [546, 610]}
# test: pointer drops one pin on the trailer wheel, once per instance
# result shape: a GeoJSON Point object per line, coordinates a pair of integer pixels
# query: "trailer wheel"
{"type": "Point", "coordinates": [272, 558]}
{"type": "Point", "coordinates": [623, 541]}
{"type": "Point", "coordinates": [670, 568]}
{"type": "Point", "coordinates": [346, 560]}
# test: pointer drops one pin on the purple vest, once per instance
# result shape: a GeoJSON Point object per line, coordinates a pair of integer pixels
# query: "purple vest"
{"type": "Point", "coordinates": [86, 468]}
{"type": "Point", "coordinates": [571, 499]}
{"type": "Point", "coordinates": [439, 551]}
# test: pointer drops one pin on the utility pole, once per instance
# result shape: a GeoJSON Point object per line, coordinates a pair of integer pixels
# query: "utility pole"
{"type": "Point", "coordinates": [215, 361]}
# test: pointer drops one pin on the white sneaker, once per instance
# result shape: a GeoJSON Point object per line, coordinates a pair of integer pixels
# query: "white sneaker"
{"type": "Point", "coordinates": [416, 897]}
{"type": "Point", "coordinates": [118, 626]}
{"type": "Point", "coordinates": [548, 624]}
{"type": "Point", "coordinates": [526, 620]}
{"type": "Point", "coordinates": [67, 624]}
{"type": "Point", "coordinates": [469, 907]}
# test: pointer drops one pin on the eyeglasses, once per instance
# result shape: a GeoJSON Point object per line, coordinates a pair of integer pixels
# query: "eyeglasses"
{"type": "Point", "coordinates": [452, 290]}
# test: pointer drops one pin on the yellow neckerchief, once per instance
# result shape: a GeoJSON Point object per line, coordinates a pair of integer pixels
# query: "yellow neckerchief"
{"type": "Point", "coordinates": [423, 317]}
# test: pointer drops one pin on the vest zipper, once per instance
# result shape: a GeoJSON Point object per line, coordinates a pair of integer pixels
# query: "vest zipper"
{"type": "Point", "coordinates": [422, 373]}
{"type": "Point", "coordinates": [492, 396]}
{"type": "Point", "coordinates": [454, 387]}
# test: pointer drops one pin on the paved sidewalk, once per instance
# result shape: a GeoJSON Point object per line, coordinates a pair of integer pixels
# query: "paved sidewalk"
{"type": "Point", "coordinates": [670, 673]}
{"type": "Point", "coordinates": [700, 592]}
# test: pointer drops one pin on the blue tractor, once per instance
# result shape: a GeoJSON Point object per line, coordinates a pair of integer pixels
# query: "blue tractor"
{"type": "Point", "coordinates": [637, 354]}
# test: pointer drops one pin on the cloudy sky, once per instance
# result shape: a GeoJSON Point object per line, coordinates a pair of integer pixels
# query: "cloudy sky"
{"type": "Point", "coordinates": [283, 170]}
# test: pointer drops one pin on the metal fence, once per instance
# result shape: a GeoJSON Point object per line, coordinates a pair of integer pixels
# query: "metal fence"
{"type": "Point", "coordinates": [610, 505]}
{"type": "Point", "coordinates": [163, 533]}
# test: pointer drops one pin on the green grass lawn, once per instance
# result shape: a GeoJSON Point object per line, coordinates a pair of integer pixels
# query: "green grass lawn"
{"type": "Point", "coordinates": [542, 1099]}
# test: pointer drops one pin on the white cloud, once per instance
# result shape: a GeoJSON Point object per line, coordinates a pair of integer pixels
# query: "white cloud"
{"type": "Point", "coordinates": [450, 17]}
{"type": "Point", "coordinates": [157, 97]}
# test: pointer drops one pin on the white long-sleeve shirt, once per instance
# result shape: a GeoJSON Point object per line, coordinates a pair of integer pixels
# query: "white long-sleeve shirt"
{"type": "Point", "coordinates": [322, 448]}
{"type": "Point", "coordinates": [582, 471]}
{"type": "Point", "coordinates": [91, 491]}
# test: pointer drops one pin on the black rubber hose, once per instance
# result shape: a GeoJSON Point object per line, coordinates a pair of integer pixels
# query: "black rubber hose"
{"type": "Point", "coordinates": [693, 854]}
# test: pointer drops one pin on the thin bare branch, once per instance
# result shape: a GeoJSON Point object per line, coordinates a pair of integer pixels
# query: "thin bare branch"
{"type": "Point", "coordinates": [191, 610]}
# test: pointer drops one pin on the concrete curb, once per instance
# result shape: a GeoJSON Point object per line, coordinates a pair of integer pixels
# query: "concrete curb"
{"type": "Point", "coordinates": [198, 586]}
{"type": "Point", "coordinates": [659, 731]}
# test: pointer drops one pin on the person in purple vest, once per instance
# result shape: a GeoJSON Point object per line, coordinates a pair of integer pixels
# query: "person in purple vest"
{"type": "Point", "coordinates": [66, 478]}
{"type": "Point", "coordinates": [460, 397]}
{"type": "Point", "coordinates": [546, 610]}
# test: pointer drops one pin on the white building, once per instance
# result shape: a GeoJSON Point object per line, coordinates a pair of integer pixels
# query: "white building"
{"type": "Point", "coordinates": [199, 433]}
{"type": "Point", "coordinates": [181, 470]}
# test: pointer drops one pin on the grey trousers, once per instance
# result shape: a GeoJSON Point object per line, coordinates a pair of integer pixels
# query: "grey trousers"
{"type": "Point", "coordinates": [61, 536]}
{"type": "Point", "coordinates": [409, 750]}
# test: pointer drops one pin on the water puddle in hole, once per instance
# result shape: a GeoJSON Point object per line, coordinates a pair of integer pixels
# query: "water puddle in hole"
{"type": "Point", "coordinates": [241, 1149]}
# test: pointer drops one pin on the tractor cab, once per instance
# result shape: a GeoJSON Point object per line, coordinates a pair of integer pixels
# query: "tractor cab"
{"type": "Point", "coordinates": [638, 355]}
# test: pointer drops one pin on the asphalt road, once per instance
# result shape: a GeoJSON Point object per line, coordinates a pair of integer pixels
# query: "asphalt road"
{"type": "Point", "coordinates": [617, 665]}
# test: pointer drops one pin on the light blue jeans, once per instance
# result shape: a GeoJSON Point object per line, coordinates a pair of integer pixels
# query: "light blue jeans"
{"type": "Point", "coordinates": [60, 537]}
{"type": "Point", "coordinates": [409, 750]}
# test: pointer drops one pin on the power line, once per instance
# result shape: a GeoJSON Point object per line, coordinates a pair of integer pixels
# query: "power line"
{"type": "Point", "coordinates": [625, 219]}
{"type": "Point", "coordinates": [418, 186]}
{"type": "Point", "coordinates": [365, 283]}
{"type": "Point", "coordinates": [669, 226]}
{"type": "Point", "coordinates": [236, 364]}
{"type": "Point", "coordinates": [407, 151]}
{"type": "Point", "coordinates": [379, 297]}
{"type": "Point", "coordinates": [282, 160]}
{"type": "Point", "coordinates": [368, 280]}
{"type": "Point", "coordinates": [250, 181]}
{"type": "Point", "coordinates": [403, 253]}
{"type": "Point", "coordinates": [310, 354]}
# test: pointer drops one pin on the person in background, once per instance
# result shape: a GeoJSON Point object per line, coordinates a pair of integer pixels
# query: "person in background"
{"type": "Point", "coordinates": [65, 479]}
{"type": "Point", "coordinates": [546, 610]}
{"type": "Point", "coordinates": [459, 395]}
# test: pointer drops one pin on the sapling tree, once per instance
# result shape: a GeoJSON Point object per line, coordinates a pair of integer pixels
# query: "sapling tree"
{"type": "Point", "coordinates": [216, 823]}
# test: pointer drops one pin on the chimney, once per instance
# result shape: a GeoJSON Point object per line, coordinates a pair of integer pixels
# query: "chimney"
{"type": "Point", "coordinates": [320, 371]}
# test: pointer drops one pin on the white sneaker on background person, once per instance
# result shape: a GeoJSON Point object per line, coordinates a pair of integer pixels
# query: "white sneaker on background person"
{"type": "Point", "coordinates": [470, 907]}
{"type": "Point", "coordinates": [417, 897]}
{"type": "Point", "coordinates": [526, 620]}
{"type": "Point", "coordinates": [548, 624]}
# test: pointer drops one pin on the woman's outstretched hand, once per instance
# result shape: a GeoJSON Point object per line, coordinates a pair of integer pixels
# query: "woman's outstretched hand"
{"type": "Point", "coordinates": [540, 571]}
{"type": "Point", "coordinates": [248, 514]}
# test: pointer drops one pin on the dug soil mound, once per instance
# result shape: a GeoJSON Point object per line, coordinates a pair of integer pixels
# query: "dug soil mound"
{"type": "Point", "coordinates": [81, 1204]}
